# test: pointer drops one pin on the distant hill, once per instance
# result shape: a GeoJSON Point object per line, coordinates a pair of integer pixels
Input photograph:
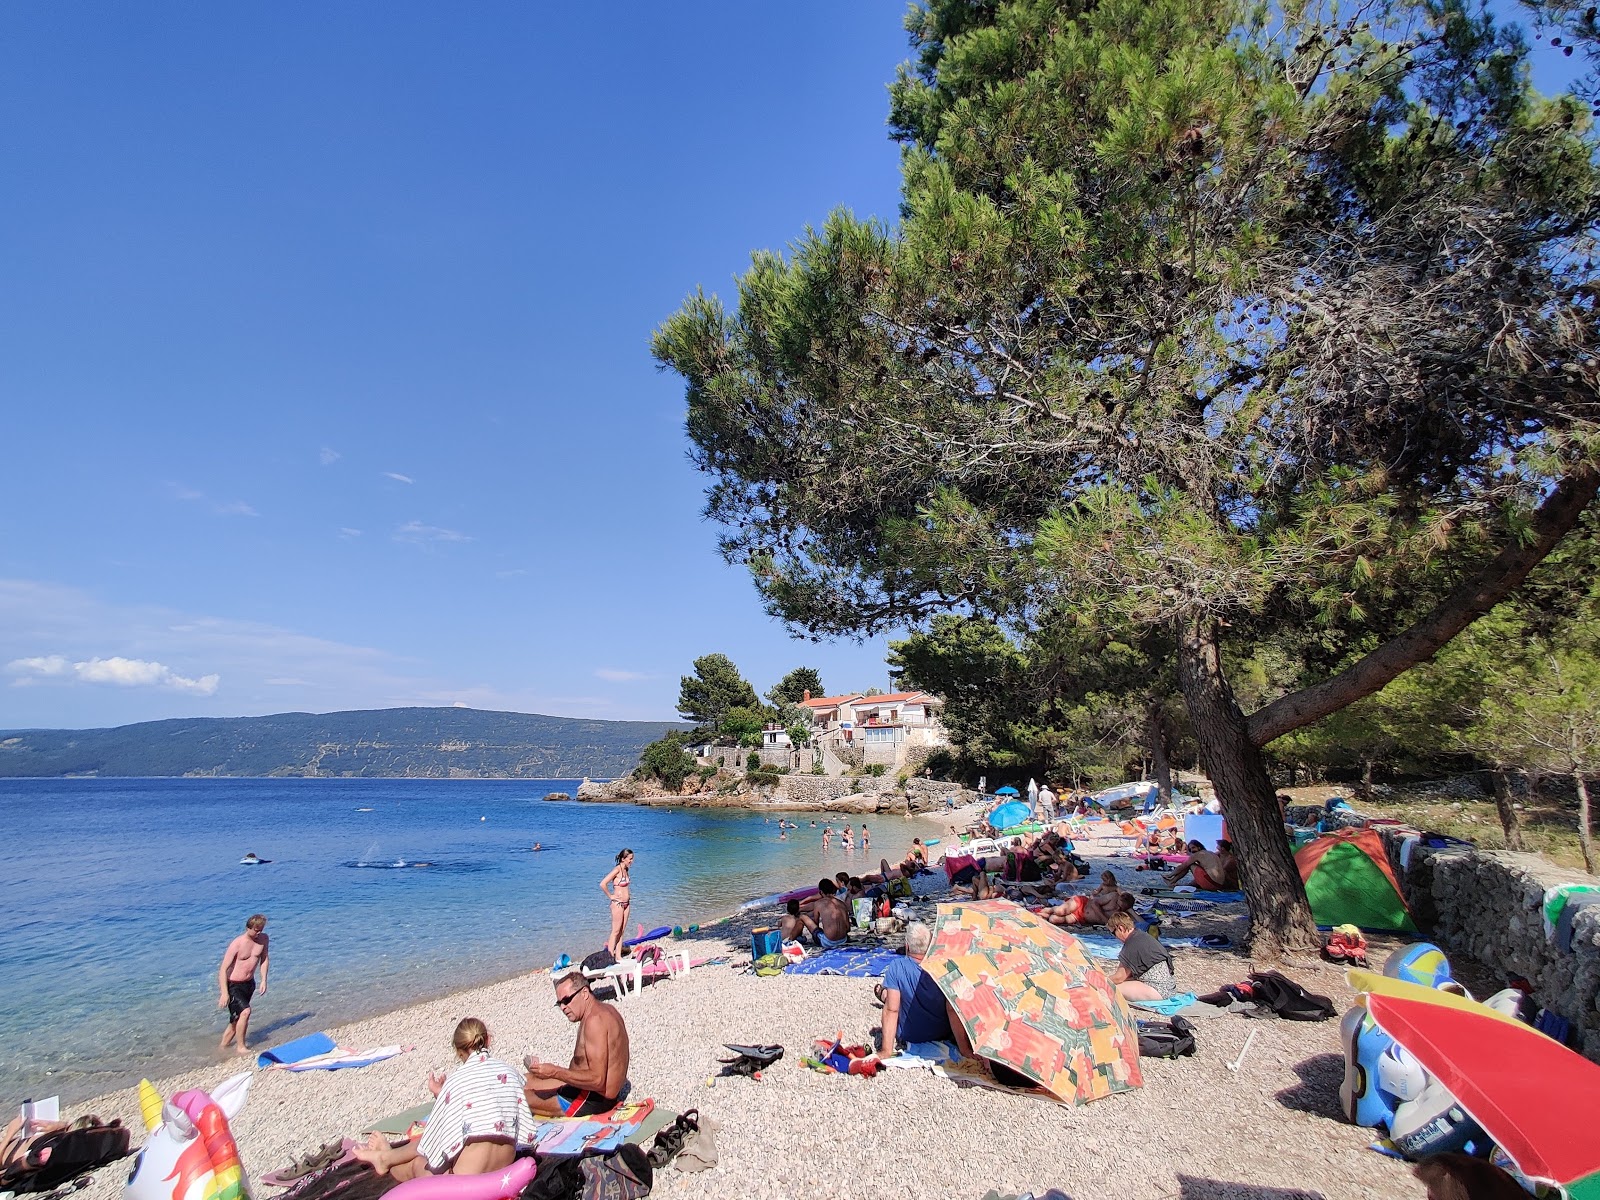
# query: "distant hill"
{"type": "Point", "coordinates": [405, 743]}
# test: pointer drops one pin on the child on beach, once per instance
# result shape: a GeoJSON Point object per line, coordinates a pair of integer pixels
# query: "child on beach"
{"type": "Point", "coordinates": [480, 1116]}
{"type": "Point", "coordinates": [1108, 891]}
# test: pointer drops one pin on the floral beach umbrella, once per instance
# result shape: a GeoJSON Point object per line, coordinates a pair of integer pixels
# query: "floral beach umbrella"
{"type": "Point", "coordinates": [1030, 998]}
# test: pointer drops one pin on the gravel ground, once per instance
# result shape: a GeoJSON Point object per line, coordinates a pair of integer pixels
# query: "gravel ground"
{"type": "Point", "coordinates": [1271, 1131]}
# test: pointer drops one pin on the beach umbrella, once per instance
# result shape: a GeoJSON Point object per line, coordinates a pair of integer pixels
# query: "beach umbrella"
{"type": "Point", "coordinates": [1033, 790]}
{"type": "Point", "coordinates": [1532, 1095]}
{"type": "Point", "coordinates": [1032, 999]}
{"type": "Point", "coordinates": [1007, 815]}
{"type": "Point", "coordinates": [1006, 791]}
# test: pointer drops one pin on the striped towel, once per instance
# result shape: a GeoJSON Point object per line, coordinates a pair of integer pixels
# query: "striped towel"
{"type": "Point", "coordinates": [481, 1099]}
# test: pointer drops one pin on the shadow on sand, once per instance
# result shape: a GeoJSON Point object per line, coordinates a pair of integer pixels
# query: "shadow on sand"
{"type": "Point", "coordinates": [1191, 1187]}
{"type": "Point", "coordinates": [1318, 1090]}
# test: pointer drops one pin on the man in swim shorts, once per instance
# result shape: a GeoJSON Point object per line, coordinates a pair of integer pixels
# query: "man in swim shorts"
{"type": "Point", "coordinates": [236, 980]}
{"type": "Point", "coordinates": [597, 1078]}
{"type": "Point", "coordinates": [832, 917]}
{"type": "Point", "coordinates": [1208, 869]}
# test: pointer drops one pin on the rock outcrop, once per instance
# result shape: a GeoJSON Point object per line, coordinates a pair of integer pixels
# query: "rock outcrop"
{"type": "Point", "coordinates": [790, 793]}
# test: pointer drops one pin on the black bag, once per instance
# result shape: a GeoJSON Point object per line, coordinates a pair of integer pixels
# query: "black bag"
{"type": "Point", "coordinates": [1166, 1039]}
{"type": "Point", "coordinates": [72, 1152]}
{"type": "Point", "coordinates": [599, 960]}
{"type": "Point", "coordinates": [625, 1174]}
{"type": "Point", "coordinates": [1284, 997]}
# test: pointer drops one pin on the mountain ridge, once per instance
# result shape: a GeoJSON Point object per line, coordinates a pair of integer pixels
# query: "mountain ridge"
{"type": "Point", "coordinates": [381, 743]}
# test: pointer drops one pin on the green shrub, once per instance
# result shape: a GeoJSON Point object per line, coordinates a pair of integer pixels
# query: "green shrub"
{"type": "Point", "coordinates": [817, 770]}
{"type": "Point", "coordinates": [667, 762]}
{"type": "Point", "coordinates": [763, 777]}
{"type": "Point", "coordinates": [707, 771]}
{"type": "Point", "coordinates": [876, 769]}
{"type": "Point", "coordinates": [753, 762]}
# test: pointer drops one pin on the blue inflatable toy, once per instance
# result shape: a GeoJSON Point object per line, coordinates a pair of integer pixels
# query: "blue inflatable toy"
{"type": "Point", "coordinates": [1421, 963]}
{"type": "Point", "coordinates": [1361, 1099]}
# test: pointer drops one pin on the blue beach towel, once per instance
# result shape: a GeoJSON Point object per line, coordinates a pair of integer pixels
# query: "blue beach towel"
{"type": "Point", "coordinates": [858, 962]}
{"type": "Point", "coordinates": [309, 1046]}
{"type": "Point", "coordinates": [1169, 1006]}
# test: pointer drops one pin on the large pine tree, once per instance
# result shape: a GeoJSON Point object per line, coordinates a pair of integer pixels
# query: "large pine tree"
{"type": "Point", "coordinates": [1209, 316]}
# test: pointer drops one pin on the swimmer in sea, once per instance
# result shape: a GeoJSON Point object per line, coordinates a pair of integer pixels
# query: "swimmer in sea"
{"type": "Point", "coordinates": [783, 836]}
{"type": "Point", "coordinates": [538, 845]}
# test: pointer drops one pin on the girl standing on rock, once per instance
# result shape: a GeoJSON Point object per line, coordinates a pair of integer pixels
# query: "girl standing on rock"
{"type": "Point", "coordinates": [615, 885]}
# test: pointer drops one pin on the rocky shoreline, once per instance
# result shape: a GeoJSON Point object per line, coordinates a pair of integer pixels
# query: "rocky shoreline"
{"type": "Point", "coordinates": [790, 793]}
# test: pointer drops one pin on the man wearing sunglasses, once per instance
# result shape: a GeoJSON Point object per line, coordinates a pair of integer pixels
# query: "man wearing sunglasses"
{"type": "Point", "coordinates": [597, 1079]}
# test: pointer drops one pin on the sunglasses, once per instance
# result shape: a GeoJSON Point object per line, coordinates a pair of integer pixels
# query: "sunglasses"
{"type": "Point", "coordinates": [563, 1001]}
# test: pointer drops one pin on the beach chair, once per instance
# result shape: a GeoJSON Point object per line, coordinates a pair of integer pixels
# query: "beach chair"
{"type": "Point", "coordinates": [619, 975]}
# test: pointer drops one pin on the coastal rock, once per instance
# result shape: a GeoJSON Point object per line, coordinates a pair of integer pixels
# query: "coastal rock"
{"type": "Point", "coordinates": [558, 796]}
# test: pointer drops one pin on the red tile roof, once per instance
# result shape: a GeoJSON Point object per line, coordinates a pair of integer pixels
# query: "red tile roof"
{"type": "Point", "coordinates": [829, 701]}
{"type": "Point", "coordinates": [897, 698]}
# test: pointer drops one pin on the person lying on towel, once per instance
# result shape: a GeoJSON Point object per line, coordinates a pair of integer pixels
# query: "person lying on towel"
{"type": "Point", "coordinates": [1086, 910]}
{"type": "Point", "coordinates": [479, 1117]}
{"type": "Point", "coordinates": [1208, 868]}
{"type": "Point", "coordinates": [597, 1078]}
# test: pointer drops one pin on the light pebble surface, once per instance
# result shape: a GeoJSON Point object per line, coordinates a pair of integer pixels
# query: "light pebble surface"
{"type": "Point", "coordinates": [1196, 1130]}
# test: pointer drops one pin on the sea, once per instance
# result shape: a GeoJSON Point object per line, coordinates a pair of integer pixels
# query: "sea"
{"type": "Point", "coordinates": [118, 897]}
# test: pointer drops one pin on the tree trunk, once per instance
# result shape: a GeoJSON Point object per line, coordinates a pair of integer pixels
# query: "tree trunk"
{"type": "Point", "coordinates": [1585, 837]}
{"type": "Point", "coordinates": [1280, 915]}
{"type": "Point", "coordinates": [1506, 809]}
{"type": "Point", "coordinates": [1366, 780]}
{"type": "Point", "coordinates": [1161, 765]}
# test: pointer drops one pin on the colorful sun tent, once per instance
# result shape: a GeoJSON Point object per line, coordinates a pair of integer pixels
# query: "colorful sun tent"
{"type": "Point", "coordinates": [1031, 999]}
{"type": "Point", "coordinates": [1349, 882]}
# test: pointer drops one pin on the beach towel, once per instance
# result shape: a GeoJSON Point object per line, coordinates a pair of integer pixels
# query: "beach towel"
{"type": "Point", "coordinates": [298, 1050]}
{"type": "Point", "coordinates": [1194, 897]}
{"type": "Point", "coordinates": [923, 1056]}
{"type": "Point", "coordinates": [1168, 1006]}
{"type": "Point", "coordinates": [481, 1098]}
{"type": "Point", "coordinates": [593, 1135]}
{"type": "Point", "coordinates": [857, 962]}
{"type": "Point", "coordinates": [340, 1058]}
{"type": "Point", "coordinates": [401, 1122]}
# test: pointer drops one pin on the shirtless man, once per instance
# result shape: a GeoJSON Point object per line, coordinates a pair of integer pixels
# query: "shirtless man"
{"type": "Point", "coordinates": [598, 1076]}
{"type": "Point", "coordinates": [236, 980]}
{"type": "Point", "coordinates": [833, 918]}
{"type": "Point", "coordinates": [1208, 869]}
{"type": "Point", "coordinates": [1085, 910]}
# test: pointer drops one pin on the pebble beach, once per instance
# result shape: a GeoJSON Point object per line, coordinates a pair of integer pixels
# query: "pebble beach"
{"type": "Point", "coordinates": [1269, 1130]}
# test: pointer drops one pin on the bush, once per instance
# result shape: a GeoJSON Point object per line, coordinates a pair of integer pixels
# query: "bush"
{"type": "Point", "coordinates": [707, 771]}
{"type": "Point", "coordinates": [817, 770]}
{"type": "Point", "coordinates": [765, 776]}
{"type": "Point", "coordinates": [667, 762]}
{"type": "Point", "coordinates": [753, 762]}
{"type": "Point", "coordinates": [876, 769]}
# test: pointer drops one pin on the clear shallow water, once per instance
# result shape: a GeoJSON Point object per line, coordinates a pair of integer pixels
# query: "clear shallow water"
{"type": "Point", "coordinates": [118, 897]}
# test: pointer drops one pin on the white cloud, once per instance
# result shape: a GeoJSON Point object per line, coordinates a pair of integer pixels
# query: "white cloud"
{"type": "Point", "coordinates": [346, 532]}
{"type": "Point", "coordinates": [511, 573]}
{"type": "Point", "coordinates": [119, 671]}
{"type": "Point", "coordinates": [181, 492]}
{"type": "Point", "coordinates": [416, 531]}
{"type": "Point", "coordinates": [397, 477]}
{"type": "Point", "coordinates": [236, 508]}
{"type": "Point", "coordinates": [189, 495]}
{"type": "Point", "coordinates": [328, 456]}
{"type": "Point", "coordinates": [614, 675]}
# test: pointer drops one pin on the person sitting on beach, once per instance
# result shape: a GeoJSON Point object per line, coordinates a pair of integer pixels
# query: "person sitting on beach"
{"type": "Point", "coordinates": [1084, 910]}
{"type": "Point", "coordinates": [1144, 966]}
{"type": "Point", "coordinates": [796, 926]}
{"type": "Point", "coordinates": [479, 1117]}
{"type": "Point", "coordinates": [917, 853]}
{"type": "Point", "coordinates": [1206, 867]}
{"type": "Point", "coordinates": [833, 918]}
{"type": "Point", "coordinates": [1230, 865]}
{"type": "Point", "coordinates": [1108, 891]}
{"type": "Point", "coordinates": [597, 1078]}
{"type": "Point", "coordinates": [914, 1007]}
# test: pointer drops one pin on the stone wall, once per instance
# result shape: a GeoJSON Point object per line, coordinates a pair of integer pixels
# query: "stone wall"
{"type": "Point", "coordinates": [1488, 904]}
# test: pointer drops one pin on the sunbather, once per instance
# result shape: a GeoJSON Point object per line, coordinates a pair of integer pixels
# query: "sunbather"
{"type": "Point", "coordinates": [1084, 910]}
{"type": "Point", "coordinates": [479, 1117]}
{"type": "Point", "coordinates": [1207, 868]}
{"type": "Point", "coordinates": [833, 918]}
{"type": "Point", "coordinates": [597, 1077]}
{"type": "Point", "coordinates": [1107, 891]}
{"type": "Point", "coordinates": [1144, 966]}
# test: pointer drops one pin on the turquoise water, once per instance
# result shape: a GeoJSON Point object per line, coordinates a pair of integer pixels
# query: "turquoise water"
{"type": "Point", "coordinates": [117, 898]}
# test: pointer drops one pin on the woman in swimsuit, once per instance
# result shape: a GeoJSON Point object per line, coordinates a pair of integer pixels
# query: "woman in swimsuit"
{"type": "Point", "coordinates": [615, 886]}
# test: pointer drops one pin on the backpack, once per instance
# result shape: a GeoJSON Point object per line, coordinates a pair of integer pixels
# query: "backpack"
{"type": "Point", "coordinates": [1283, 997]}
{"type": "Point", "coordinates": [624, 1174]}
{"type": "Point", "coordinates": [1166, 1039]}
{"type": "Point", "coordinates": [71, 1153]}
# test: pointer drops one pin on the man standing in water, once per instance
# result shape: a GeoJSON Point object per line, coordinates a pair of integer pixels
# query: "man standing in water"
{"type": "Point", "coordinates": [236, 980]}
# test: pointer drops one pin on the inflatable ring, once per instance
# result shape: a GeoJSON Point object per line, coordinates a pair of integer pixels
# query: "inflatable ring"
{"type": "Point", "coordinates": [492, 1185]}
{"type": "Point", "coordinates": [192, 1154]}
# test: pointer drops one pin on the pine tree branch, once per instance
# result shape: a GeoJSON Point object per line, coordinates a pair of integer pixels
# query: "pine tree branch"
{"type": "Point", "coordinates": [1470, 599]}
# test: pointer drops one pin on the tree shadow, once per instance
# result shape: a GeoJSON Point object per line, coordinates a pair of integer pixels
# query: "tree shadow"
{"type": "Point", "coordinates": [1192, 1187]}
{"type": "Point", "coordinates": [1318, 1090]}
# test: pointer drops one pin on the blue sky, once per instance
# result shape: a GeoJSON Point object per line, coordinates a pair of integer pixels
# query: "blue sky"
{"type": "Point", "coordinates": [324, 344]}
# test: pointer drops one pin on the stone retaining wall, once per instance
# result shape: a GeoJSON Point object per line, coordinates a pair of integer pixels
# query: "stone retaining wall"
{"type": "Point", "coordinates": [1488, 904]}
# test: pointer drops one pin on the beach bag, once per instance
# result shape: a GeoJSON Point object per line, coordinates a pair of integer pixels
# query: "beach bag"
{"type": "Point", "coordinates": [1166, 1039]}
{"type": "Point", "coordinates": [769, 964]}
{"type": "Point", "coordinates": [1284, 997]}
{"type": "Point", "coordinates": [625, 1174]}
{"type": "Point", "coordinates": [599, 961]}
{"type": "Point", "coordinates": [52, 1159]}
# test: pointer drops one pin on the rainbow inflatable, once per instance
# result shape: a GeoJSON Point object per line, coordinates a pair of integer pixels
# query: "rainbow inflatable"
{"type": "Point", "coordinates": [191, 1155]}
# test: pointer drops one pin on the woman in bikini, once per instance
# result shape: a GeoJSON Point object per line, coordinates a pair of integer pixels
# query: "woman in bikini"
{"type": "Point", "coordinates": [615, 886]}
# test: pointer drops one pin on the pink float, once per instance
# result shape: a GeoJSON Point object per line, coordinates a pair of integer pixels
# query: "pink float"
{"type": "Point", "coordinates": [491, 1185]}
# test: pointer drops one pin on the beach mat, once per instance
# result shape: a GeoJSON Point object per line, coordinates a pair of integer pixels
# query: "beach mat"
{"type": "Point", "coordinates": [1195, 896]}
{"type": "Point", "coordinates": [301, 1048]}
{"type": "Point", "coordinates": [342, 1059]}
{"type": "Point", "coordinates": [856, 962]}
{"type": "Point", "coordinates": [401, 1122]}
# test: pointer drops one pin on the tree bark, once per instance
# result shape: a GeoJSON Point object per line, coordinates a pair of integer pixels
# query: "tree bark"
{"type": "Point", "coordinates": [1280, 915]}
{"type": "Point", "coordinates": [1366, 779]}
{"type": "Point", "coordinates": [1585, 837]}
{"type": "Point", "coordinates": [1507, 810]}
{"type": "Point", "coordinates": [1468, 601]}
{"type": "Point", "coordinates": [1160, 763]}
